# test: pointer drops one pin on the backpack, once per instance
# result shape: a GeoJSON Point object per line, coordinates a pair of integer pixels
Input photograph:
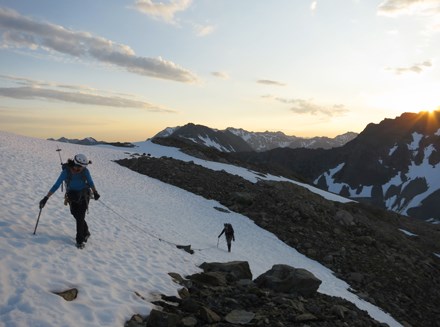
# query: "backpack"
{"type": "Point", "coordinates": [229, 231]}
{"type": "Point", "coordinates": [74, 196]}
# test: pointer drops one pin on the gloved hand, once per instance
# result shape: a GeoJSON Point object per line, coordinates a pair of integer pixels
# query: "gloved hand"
{"type": "Point", "coordinates": [43, 202]}
{"type": "Point", "coordinates": [96, 195]}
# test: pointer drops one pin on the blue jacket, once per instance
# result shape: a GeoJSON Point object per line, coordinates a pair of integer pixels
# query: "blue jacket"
{"type": "Point", "coordinates": [77, 181]}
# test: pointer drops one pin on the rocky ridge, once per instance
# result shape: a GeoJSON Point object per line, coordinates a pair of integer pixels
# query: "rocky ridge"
{"type": "Point", "coordinates": [363, 245]}
{"type": "Point", "coordinates": [224, 294]}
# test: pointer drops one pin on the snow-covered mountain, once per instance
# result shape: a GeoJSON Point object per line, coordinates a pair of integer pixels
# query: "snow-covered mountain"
{"type": "Point", "coordinates": [394, 164]}
{"type": "Point", "coordinates": [135, 227]}
{"type": "Point", "coordinates": [264, 141]}
{"type": "Point", "coordinates": [238, 140]}
{"type": "Point", "coordinates": [223, 141]}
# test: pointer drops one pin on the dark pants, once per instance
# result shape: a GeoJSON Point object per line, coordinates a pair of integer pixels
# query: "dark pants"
{"type": "Point", "coordinates": [78, 210]}
{"type": "Point", "coordinates": [228, 242]}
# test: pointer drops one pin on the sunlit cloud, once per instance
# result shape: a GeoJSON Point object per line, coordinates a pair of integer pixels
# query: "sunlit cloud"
{"type": "Point", "coordinates": [308, 107]}
{"type": "Point", "coordinates": [18, 31]}
{"type": "Point", "coordinates": [429, 10]}
{"type": "Point", "coordinates": [409, 7]}
{"type": "Point", "coordinates": [269, 82]}
{"type": "Point", "coordinates": [162, 11]}
{"type": "Point", "coordinates": [221, 75]}
{"type": "Point", "coordinates": [204, 30]}
{"type": "Point", "coordinates": [34, 83]}
{"type": "Point", "coordinates": [29, 89]}
{"type": "Point", "coordinates": [416, 68]}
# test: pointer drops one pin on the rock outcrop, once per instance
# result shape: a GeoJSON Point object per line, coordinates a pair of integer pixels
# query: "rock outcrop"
{"type": "Point", "coordinates": [220, 297]}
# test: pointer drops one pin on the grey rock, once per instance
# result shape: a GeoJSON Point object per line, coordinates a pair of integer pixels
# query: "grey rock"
{"type": "Point", "coordinates": [286, 279]}
{"type": "Point", "coordinates": [239, 317]}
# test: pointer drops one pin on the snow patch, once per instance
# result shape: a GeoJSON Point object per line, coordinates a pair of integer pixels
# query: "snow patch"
{"type": "Point", "coordinates": [407, 232]}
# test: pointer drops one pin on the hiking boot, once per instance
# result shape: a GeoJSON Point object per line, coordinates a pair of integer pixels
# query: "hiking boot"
{"type": "Point", "coordinates": [86, 237]}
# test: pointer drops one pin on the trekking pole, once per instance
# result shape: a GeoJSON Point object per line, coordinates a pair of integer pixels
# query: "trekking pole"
{"type": "Point", "coordinates": [38, 219]}
{"type": "Point", "coordinates": [218, 239]}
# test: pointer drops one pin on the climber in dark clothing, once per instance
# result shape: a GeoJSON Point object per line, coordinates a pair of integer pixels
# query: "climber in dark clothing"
{"type": "Point", "coordinates": [229, 234]}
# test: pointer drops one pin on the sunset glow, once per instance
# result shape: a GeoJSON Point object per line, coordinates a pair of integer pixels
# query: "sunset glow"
{"type": "Point", "coordinates": [306, 68]}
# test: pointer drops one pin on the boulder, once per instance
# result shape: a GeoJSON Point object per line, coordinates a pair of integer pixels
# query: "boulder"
{"type": "Point", "coordinates": [162, 319]}
{"type": "Point", "coordinates": [239, 317]}
{"type": "Point", "coordinates": [287, 279]}
{"type": "Point", "coordinates": [236, 269]}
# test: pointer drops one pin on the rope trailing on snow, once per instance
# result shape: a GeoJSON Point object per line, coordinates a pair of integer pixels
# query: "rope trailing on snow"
{"type": "Point", "coordinates": [137, 228]}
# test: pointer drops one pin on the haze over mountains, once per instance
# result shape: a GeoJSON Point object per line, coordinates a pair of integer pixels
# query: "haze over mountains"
{"type": "Point", "coordinates": [393, 164]}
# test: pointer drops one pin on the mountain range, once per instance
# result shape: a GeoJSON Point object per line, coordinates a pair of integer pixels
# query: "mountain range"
{"type": "Point", "coordinates": [232, 139]}
{"type": "Point", "coordinates": [91, 141]}
{"type": "Point", "coordinates": [393, 164]}
{"type": "Point", "coordinates": [239, 140]}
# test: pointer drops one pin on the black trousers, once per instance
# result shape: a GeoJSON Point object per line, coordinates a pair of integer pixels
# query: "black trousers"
{"type": "Point", "coordinates": [228, 242]}
{"type": "Point", "coordinates": [78, 210]}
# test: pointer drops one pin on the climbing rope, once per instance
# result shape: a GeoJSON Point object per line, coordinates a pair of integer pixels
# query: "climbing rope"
{"type": "Point", "coordinates": [137, 228]}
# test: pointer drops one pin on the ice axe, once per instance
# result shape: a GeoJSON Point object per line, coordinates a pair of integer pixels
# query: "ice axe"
{"type": "Point", "coordinates": [38, 219]}
{"type": "Point", "coordinates": [59, 150]}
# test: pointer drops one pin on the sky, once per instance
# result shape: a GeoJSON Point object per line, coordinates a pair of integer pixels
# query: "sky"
{"type": "Point", "coordinates": [126, 70]}
{"type": "Point", "coordinates": [134, 227]}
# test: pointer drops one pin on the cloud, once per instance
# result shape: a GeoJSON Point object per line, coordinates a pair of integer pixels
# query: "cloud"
{"type": "Point", "coordinates": [160, 10]}
{"type": "Point", "coordinates": [23, 32]}
{"type": "Point", "coordinates": [269, 82]}
{"type": "Point", "coordinates": [222, 75]}
{"type": "Point", "coordinates": [36, 90]}
{"type": "Point", "coordinates": [416, 68]}
{"type": "Point", "coordinates": [204, 30]}
{"type": "Point", "coordinates": [32, 93]}
{"type": "Point", "coordinates": [34, 83]}
{"type": "Point", "coordinates": [313, 6]}
{"type": "Point", "coordinates": [301, 106]}
{"type": "Point", "coordinates": [409, 7]}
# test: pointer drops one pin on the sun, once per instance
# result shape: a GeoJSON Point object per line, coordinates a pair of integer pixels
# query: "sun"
{"type": "Point", "coordinates": [407, 98]}
{"type": "Point", "coordinates": [432, 111]}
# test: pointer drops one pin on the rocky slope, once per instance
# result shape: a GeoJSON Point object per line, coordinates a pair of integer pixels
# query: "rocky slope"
{"type": "Point", "coordinates": [224, 294]}
{"type": "Point", "coordinates": [369, 248]}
